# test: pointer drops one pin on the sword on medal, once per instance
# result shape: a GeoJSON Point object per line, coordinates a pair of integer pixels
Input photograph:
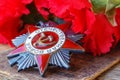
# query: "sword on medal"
{"type": "Point", "coordinates": [42, 46]}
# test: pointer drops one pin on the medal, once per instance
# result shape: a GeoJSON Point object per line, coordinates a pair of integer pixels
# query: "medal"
{"type": "Point", "coordinates": [42, 46]}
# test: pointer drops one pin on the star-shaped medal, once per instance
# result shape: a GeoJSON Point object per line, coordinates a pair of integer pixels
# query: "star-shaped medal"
{"type": "Point", "coordinates": [42, 46]}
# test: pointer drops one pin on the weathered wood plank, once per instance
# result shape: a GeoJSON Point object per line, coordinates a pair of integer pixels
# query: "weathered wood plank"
{"type": "Point", "coordinates": [83, 67]}
{"type": "Point", "coordinates": [112, 74]}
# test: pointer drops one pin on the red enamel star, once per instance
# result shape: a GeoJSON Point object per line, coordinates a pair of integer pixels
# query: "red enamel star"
{"type": "Point", "coordinates": [42, 46]}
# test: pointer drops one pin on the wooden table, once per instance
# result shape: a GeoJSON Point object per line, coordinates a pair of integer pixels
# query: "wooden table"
{"type": "Point", "coordinates": [83, 67]}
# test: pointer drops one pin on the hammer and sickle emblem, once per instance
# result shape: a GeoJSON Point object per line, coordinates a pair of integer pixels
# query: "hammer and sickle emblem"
{"type": "Point", "coordinates": [44, 41]}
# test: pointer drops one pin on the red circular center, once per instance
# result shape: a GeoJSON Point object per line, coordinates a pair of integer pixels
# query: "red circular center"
{"type": "Point", "coordinates": [44, 42]}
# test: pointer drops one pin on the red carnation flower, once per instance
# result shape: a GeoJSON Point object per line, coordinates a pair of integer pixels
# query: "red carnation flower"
{"type": "Point", "coordinates": [117, 17]}
{"type": "Point", "coordinates": [76, 11]}
{"type": "Point", "coordinates": [99, 37]}
{"type": "Point", "coordinates": [42, 5]}
{"type": "Point", "coordinates": [117, 28]}
{"type": "Point", "coordinates": [10, 13]}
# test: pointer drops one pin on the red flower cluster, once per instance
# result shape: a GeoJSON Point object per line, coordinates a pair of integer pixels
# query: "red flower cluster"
{"type": "Point", "coordinates": [10, 13]}
{"type": "Point", "coordinates": [117, 28]}
{"type": "Point", "coordinates": [76, 11]}
{"type": "Point", "coordinates": [97, 28]}
{"type": "Point", "coordinates": [99, 37]}
{"type": "Point", "coordinates": [99, 32]}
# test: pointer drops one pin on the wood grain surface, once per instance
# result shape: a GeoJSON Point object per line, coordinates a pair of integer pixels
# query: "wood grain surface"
{"type": "Point", "coordinates": [83, 67]}
{"type": "Point", "coordinates": [112, 74]}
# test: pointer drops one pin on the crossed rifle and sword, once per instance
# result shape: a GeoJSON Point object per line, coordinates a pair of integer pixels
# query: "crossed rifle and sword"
{"type": "Point", "coordinates": [44, 41]}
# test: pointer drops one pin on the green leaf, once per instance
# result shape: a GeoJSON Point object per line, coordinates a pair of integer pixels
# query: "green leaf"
{"type": "Point", "coordinates": [111, 17]}
{"type": "Point", "coordinates": [112, 4]}
{"type": "Point", "coordinates": [99, 6]}
{"type": "Point", "coordinates": [106, 7]}
{"type": "Point", "coordinates": [110, 10]}
{"type": "Point", "coordinates": [118, 6]}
